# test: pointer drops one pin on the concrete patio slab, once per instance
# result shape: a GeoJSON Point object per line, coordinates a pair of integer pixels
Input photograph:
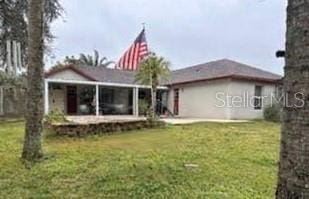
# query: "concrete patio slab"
{"type": "Point", "coordinates": [197, 120]}
{"type": "Point", "coordinates": [85, 119]}
{"type": "Point", "coordinates": [105, 119]}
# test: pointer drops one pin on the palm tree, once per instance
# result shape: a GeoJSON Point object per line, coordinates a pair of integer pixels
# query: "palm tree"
{"type": "Point", "coordinates": [293, 176]}
{"type": "Point", "coordinates": [32, 149]}
{"type": "Point", "coordinates": [69, 60]}
{"type": "Point", "coordinates": [151, 72]}
{"type": "Point", "coordinates": [95, 60]}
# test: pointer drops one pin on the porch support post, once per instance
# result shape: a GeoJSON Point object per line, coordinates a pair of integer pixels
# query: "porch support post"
{"type": "Point", "coordinates": [97, 107]}
{"type": "Point", "coordinates": [46, 97]}
{"type": "Point", "coordinates": [135, 101]}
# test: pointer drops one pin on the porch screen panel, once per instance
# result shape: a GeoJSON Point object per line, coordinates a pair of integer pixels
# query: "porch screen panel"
{"type": "Point", "coordinates": [116, 101]}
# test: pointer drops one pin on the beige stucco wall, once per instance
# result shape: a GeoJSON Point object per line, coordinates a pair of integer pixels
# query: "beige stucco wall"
{"type": "Point", "coordinates": [246, 109]}
{"type": "Point", "coordinates": [68, 75]}
{"type": "Point", "coordinates": [201, 100]}
{"type": "Point", "coordinates": [198, 100]}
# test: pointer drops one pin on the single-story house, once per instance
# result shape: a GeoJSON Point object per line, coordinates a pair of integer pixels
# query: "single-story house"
{"type": "Point", "coordinates": [222, 89]}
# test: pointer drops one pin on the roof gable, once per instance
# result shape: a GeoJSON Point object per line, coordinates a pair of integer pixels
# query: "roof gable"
{"type": "Point", "coordinates": [68, 73]}
{"type": "Point", "coordinates": [109, 75]}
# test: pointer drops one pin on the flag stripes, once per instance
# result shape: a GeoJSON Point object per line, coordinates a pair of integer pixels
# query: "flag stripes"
{"type": "Point", "coordinates": [135, 54]}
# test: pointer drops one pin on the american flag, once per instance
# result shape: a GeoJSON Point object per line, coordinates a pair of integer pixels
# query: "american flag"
{"type": "Point", "coordinates": [135, 54]}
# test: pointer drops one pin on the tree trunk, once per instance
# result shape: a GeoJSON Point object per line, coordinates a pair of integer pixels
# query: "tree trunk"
{"type": "Point", "coordinates": [293, 177]}
{"type": "Point", "coordinates": [32, 143]}
{"type": "Point", "coordinates": [153, 102]}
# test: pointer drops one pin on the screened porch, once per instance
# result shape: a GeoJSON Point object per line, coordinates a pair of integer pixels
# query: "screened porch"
{"type": "Point", "coordinates": [99, 99]}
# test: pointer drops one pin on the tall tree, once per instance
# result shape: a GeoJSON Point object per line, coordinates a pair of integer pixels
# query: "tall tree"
{"type": "Point", "coordinates": [293, 177]}
{"type": "Point", "coordinates": [94, 60]}
{"type": "Point", "coordinates": [13, 25]}
{"type": "Point", "coordinates": [32, 150]}
{"type": "Point", "coordinates": [151, 72]}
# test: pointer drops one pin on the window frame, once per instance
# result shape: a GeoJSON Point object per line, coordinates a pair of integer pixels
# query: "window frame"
{"type": "Point", "coordinates": [258, 104]}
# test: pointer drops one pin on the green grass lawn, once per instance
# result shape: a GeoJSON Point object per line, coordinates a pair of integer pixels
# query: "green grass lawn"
{"type": "Point", "coordinates": [235, 161]}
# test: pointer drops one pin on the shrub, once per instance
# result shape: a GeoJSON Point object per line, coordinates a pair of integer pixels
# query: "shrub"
{"type": "Point", "coordinates": [272, 113]}
{"type": "Point", "coordinates": [56, 116]}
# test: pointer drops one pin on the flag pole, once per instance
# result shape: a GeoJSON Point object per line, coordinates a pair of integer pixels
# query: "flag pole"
{"type": "Point", "coordinates": [143, 24]}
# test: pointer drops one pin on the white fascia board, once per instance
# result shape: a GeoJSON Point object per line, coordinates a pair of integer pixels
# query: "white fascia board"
{"type": "Point", "coordinates": [100, 83]}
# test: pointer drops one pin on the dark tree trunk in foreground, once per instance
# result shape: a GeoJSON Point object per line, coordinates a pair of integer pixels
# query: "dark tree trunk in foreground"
{"type": "Point", "coordinates": [293, 179]}
{"type": "Point", "coordinates": [32, 144]}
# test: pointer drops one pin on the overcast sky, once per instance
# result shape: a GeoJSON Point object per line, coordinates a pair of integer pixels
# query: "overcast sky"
{"type": "Point", "coordinates": [184, 32]}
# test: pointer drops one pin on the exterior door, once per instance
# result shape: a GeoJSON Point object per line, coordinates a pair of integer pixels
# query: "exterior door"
{"type": "Point", "coordinates": [57, 100]}
{"type": "Point", "coordinates": [71, 100]}
{"type": "Point", "coordinates": [176, 101]}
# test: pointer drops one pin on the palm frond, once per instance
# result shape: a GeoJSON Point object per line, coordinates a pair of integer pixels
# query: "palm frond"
{"type": "Point", "coordinates": [89, 60]}
{"type": "Point", "coordinates": [102, 60]}
{"type": "Point", "coordinates": [94, 60]}
{"type": "Point", "coordinates": [106, 64]}
{"type": "Point", "coordinates": [83, 58]}
{"type": "Point", "coordinates": [153, 70]}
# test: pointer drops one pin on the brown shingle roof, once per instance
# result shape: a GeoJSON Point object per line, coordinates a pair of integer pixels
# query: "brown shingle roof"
{"type": "Point", "coordinates": [99, 74]}
{"type": "Point", "coordinates": [221, 69]}
{"type": "Point", "coordinates": [109, 75]}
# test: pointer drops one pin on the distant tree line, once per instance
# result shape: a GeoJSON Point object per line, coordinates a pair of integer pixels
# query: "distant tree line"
{"type": "Point", "coordinates": [87, 60]}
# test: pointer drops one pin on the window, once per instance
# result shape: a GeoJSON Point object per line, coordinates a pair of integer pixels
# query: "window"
{"type": "Point", "coordinates": [258, 98]}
